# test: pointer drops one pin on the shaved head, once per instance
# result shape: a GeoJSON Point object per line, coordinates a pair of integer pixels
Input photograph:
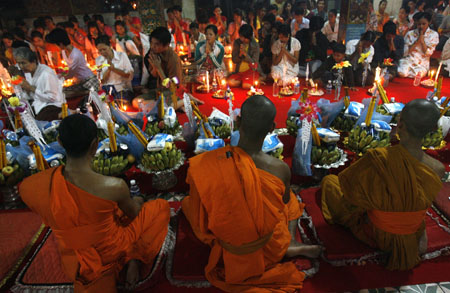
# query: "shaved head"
{"type": "Point", "coordinates": [257, 116]}
{"type": "Point", "coordinates": [420, 117]}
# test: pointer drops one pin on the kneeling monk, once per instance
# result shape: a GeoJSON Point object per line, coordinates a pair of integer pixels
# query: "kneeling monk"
{"type": "Point", "coordinates": [86, 212]}
{"type": "Point", "coordinates": [240, 204]}
{"type": "Point", "coordinates": [383, 197]}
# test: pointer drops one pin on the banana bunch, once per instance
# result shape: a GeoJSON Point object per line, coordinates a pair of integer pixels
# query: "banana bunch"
{"type": "Point", "coordinates": [156, 127]}
{"type": "Point", "coordinates": [343, 123]}
{"type": "Point", "coordinates": [324, 155]}
{"type": "Point", "coordinates": [123, 130]}
{"type": "Point", "coordinates": [277, 153]}
{"type": "Point", "coordinates": [101, 134]}
{"type": "Point", "coordinates": [11, 175]}
{"type": "Point", "coordinates": [291, 125]}
{"type": "Point", "coordinates": [161, 160]}
{"type": "Point", "coordinates": [223, 131]}
{"type": "Point", "coordinates": [360, 140]}
{"type": "Point", "coordinates": [110, 166]}
{"type": "Point", "coordinates": [433, 139]}
{"type": "Point", "coordinates": [380, 109]}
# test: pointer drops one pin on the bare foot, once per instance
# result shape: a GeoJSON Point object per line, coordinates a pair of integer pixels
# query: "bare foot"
{"type": "Point", "coordinates": [132, 274]}
{"type": "Point", "coordinates": [300, 249]}
{"type": "Point", "coordinates": [423, 243]}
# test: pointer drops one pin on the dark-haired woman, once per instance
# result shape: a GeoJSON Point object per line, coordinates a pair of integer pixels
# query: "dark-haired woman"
{"type": "Point", "coordinates": [420, 44]}
{"type": "Point", "coordinates": [285, 52]}
{"type": "Point", "coordinates": [209, 53]}
{"type": "Point", "coordinates": [245, 56]}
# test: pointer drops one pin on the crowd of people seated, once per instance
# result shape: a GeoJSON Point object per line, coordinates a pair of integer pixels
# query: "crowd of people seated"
{"type": "Point", "coordinates": [282, 41]}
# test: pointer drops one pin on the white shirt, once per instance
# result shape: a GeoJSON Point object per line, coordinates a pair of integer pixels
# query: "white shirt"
{"type": "Point", "coordinates": [329, 32]}
{"type": "Point", "coordinates": [120, 61]}
{"type": "Point", "coordinates": [295, 46]}
{"type": "Point", "coordinates": [303, 25]}
{"type": "Point", "coordinates": [48, 88]}
{"type": "Point", "coordinates": [350, 48]}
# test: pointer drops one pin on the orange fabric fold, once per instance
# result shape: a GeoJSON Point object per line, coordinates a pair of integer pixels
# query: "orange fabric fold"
{"type": "Point", "coordinates": [391, 188]}
{"type": "Point", "coordinates": [92, 242]}
{"type": "Point", "coordinates": [231, 200]}
{"type": "Point", "coordinates": [401, 223]}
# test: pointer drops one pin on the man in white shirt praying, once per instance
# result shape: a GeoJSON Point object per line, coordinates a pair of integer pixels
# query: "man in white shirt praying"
{"type": "Point", "coordinates": [300, 21]}
{"type": "Point", "coordinates": [118, 71]}
{"type": "Point", "coordinates": [42, 87]}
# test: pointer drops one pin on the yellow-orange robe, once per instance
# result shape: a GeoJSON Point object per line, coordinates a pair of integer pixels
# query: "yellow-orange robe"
{"type": "Point", "coordinates": [92, 241]}
{"type": "Point", "coordinates": [382, 199]}
{"type": "Point", "coordinates": [233, 206]}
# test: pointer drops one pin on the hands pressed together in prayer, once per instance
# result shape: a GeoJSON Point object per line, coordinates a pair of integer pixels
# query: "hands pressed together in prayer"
{"type": "Point", "coordinates": [26, 86]}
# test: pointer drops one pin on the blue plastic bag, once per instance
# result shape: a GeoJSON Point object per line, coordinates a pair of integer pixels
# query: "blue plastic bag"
{"type": "Point", "coordinates": [329, 111]}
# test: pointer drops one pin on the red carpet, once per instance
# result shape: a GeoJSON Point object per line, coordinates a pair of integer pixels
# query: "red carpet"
{"type": "Point", "coordinates": [342, 247]}
{"type": "Point", "coordinates": [14, 246]}
{"type": "Point", "coordinates": [190, 257]}
{"type": "Point", "coordinates": [401, 88]}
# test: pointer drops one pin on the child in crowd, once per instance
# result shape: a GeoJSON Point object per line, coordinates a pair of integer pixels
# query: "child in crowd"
{"type": "Point", "coordinates": [326, 72]}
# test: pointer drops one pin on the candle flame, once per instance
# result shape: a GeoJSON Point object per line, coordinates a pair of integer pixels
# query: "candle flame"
{"type": "Point", "coordinates": [223, 81]}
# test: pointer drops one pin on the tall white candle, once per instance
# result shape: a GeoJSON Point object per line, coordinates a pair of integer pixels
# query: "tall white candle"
{"type": "Point", "coordinates": [207, 81]}
{"type": "Point", "coordinates": [437, 73]}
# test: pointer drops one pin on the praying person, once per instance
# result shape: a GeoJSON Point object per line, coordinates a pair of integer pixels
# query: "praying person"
{"type": "Point", "coordinates": [43, 48]}
{"type": "Point", "coordinates": [420, 44]}
{"type": "Point", "coordinates": [119, 71]}
{"type": "Point", "coordinates": [196, 35]}
{"type": "Point", "coordinates": [210, 52]}
{"type": "Point", "coordinates": [326, 72]}
{"type": "Point", "coordinates": [356, 50]}
{"type": "Point", "coordinates": [382, 16]}
{"type": "Point", "coordinates": [125, 40]}
{"type": "Point", "coordinates": [219, 20]}
{"type": "Point", "coordinates": [331, 27]}
{"type": "Point", "coordinates": [384, 196]}
{"type": "Point", "coordinates": [78, 69]}
{"type": "Point", "coordinates": [102, 27]}
{"type": "Point", "coordinates": [285, 53]}
{"type": "Point", "coordinates": [235, 26]}
{"type": "Point", "coordinates": [249, 219]}
{"type": "Point", "coordinates": [389, 45]}
{"type": "Point", "coordinates": [300, 21]}
{"type": "Point", "coordinates": [99, 227]}
{"type": "Point", "coordinates": [42, 88]}
{"type": "Point", "coordinates": [245, 56]}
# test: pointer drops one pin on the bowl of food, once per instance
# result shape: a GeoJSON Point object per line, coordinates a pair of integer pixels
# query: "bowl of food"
{"type": "Point", "coordinates": [428, 83]}
{"type": "Point", "coordinates": [254, 92]}
{"type": "Point", "coordinates": [286, 91]}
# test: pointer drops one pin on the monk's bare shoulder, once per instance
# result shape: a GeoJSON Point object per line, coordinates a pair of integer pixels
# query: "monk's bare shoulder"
{"type": "Point", "coordinates": [434, 164]}
{"type": "Point", "coordinates": [275, 167]}
{"type": "Point", "coordinates": [111, 188]}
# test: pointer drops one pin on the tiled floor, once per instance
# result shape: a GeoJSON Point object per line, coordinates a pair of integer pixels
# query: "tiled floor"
{"type": "Point", "coordinates": [443, 287]}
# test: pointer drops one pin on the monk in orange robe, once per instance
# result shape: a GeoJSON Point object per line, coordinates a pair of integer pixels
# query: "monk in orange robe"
{"type": "Point", "coordinates": [241, 205]}
{"type": "Point", "coordinates": [383, 197]}
{"type": "Point", "coordinates": [98, 226]}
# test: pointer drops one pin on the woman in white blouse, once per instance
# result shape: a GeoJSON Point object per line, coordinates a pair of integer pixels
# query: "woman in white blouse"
{"type": "Point", "coordinates": [419, 46]}
{"type": "Point", "coordinates": [285, 52]}
{"type": "Point", "coordinates": [43, 89]}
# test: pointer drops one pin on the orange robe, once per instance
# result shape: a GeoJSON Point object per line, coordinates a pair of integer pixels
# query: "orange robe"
{"type": "Point", "coordinates": [233, 206]}
{"type": "Point", "coordinates": [382, 199]}
{"type": "Point", "coordinates": [92, 242]}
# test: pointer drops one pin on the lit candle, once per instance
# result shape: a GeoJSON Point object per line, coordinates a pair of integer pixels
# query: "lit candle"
{"type": "Point", "coordinates": [207, 81]}
{"type": "Point", "coordinates": [438, 71]}
{"type": "Point", "coordinates": [230, 65]}
{"type": "Point", "coordinates": [256, 84]}
{"type": "Point", "coordinates": [223, 83]}
{"type": "Point", "coordinates": [432, 74]}
{"type": "Point", "coordinates": [316, 87]}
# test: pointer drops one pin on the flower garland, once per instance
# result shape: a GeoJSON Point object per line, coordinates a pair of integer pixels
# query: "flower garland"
{"type": "Point", "coordinates": [363, 57]}
{"type": "Point", "coordinates": [341, 65]}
